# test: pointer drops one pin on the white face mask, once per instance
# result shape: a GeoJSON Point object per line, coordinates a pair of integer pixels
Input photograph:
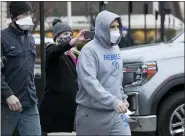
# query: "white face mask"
{"type": "Point", "coordinates": [114, 36]}
{"type": "Point", "coordinates": [25, 23]}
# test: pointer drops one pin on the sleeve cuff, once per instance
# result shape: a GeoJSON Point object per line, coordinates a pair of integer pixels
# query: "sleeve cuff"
{"type": "Point", "coordinates": [115, 102]}
{"type": "Point", "coordinates": [7, 94]}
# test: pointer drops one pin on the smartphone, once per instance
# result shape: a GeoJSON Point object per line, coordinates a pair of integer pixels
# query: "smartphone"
{"type": "Point", "coordinates": [89, 35]}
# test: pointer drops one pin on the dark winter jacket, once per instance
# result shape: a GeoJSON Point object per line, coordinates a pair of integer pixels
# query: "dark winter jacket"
{"type": "Point", "coordinates": [58, 106]}
{"type": "Point", "coordinates": [17, 75]}
{"type": "Point", "coordinates": [125, 42]}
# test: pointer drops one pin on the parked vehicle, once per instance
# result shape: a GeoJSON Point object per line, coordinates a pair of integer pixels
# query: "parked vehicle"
{"type": "Point", "coordinates": [154, 83]}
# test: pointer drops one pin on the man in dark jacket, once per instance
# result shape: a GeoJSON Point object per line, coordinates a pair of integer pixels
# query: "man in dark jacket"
{"type": "Point", "coordinates": [19, 102]}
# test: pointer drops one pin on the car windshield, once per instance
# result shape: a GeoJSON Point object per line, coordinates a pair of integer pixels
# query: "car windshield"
{"type": "Point", "coordinates": [178, 38]}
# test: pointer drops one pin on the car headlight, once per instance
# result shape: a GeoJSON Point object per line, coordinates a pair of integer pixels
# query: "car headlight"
{"type": "Point", "coordinates": [136, 74]}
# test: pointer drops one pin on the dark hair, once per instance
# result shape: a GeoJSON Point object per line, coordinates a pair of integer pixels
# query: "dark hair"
{"type": "Point", "coordinates": [55, 21]}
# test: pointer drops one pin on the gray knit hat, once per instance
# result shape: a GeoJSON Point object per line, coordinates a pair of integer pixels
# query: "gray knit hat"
{"type": "Point", "coordinates": [59, 27]}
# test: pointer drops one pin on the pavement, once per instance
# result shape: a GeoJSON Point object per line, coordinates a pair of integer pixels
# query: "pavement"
{"type": "Point", "coordinates": [61, 134]}
{"type": "Point", "coordinates": [74, 134]}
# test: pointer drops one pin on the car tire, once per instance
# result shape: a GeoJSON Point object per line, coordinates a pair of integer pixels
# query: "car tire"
{"type": "Point", "coordinates": [166, 110]}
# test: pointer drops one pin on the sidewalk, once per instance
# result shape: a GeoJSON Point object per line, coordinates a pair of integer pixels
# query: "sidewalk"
{"type": "Point", "coordinates": [61, 134]}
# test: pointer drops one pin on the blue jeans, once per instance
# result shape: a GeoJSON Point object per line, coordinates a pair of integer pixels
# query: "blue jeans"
{"type": "Point", "coordinates": [27, 121]}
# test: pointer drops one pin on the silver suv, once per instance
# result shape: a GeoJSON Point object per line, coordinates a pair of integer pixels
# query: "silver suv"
{"type": "Point", "coordinates": [154, 82]}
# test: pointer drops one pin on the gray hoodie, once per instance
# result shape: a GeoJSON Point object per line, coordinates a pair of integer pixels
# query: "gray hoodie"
{"type": "Point", "coordinates": [100, 68]}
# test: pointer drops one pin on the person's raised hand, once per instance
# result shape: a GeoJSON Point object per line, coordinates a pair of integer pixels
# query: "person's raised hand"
{"type": "Point", "coordinates": [79, 38]}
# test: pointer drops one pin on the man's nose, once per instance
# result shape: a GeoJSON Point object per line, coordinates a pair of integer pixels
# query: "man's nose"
{"type": "Point", "coordinates": [116, 29]}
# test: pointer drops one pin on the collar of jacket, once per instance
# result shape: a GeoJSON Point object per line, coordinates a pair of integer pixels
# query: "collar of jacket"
{"type": "Point", "coordinates": [17, 31]}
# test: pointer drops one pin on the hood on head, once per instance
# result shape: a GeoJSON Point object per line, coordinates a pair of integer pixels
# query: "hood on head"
{"type": "Point", "coordinates": [102, 27]}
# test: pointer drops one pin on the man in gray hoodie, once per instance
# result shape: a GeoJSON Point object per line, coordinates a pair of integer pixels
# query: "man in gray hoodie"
{"type": "Point", "coordinates": [101, 101]}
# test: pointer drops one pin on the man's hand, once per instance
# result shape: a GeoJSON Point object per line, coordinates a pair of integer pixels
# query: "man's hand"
{"type": "Point", "coordinates": [121, 107]}
{"type": "Point", "coordinates": [126, 103]}
{"type": "Point", "coordinates": [13, 103]}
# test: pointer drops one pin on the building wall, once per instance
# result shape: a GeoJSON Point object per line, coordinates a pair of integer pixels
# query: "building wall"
{"type": "Point", "coordinates": [3, 14]}
{"type": "Point", "coordinates": [181, 4]}
{"type": "Point", "coordinates": [59, 8]}
{"type": "Point", "coordinates": [83, 8]}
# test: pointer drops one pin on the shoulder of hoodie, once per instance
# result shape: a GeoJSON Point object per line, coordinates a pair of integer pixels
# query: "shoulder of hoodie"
{"type": "Point", "coordinates": [89, 47]}
{"type": "Point", "coordinates": [93, 47]}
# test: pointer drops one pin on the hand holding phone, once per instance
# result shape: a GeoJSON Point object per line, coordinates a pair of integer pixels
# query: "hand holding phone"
{"type": "Point", "coordinates": [89, 35]}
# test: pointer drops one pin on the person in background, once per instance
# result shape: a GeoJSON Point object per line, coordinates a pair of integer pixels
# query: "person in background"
{"type": "Point", "coordinates": [101, 101]}
{"type": "Point", "coordinates": [125, 39]}
{"type": "Point", "coordinates": [18, 93]}
{"type": "Point", "coordinates": [58, 106]}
